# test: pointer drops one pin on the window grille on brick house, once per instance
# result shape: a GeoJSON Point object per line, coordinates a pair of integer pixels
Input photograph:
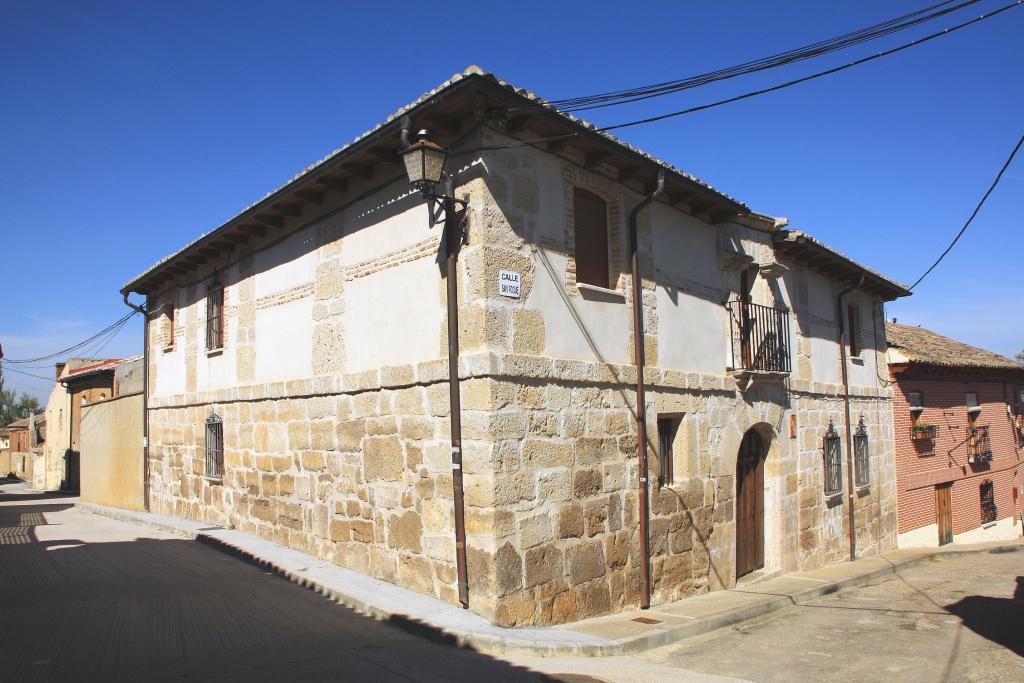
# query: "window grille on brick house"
{"type": "Point", "coordinates": [590, 215]}
{"type": "Point", "coordinates": [979, 448]}
{"type": "Point", "coordinates": [988, 502]}
{"type": "Point", "coordinates": [861, 455]}
{"type": "Point", "coordinates": [832, 448]}
{"type": "Point", "coordinates": [215, 316]}
{"type": "Point", "coordinates": [214, 446]}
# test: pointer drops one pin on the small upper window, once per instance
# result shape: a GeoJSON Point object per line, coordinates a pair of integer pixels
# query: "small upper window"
{"type": "Point", "coordinates": [591, 234]}
{"type": "Point", "coordinates": [169, 324]}
{"type": "Point", "coordinates": [215, 316]}
{"type": "Point", "coordinates": [972, 399]}
{"type": "Point", "coordinates": [853, 332]}
{"type": "Point", "coordinates": [668, 427]}
{"type": "Point", "coordinates": [914, 399]}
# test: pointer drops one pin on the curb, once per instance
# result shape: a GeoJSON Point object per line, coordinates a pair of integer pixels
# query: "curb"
{"type": "Point", "coordinates": [549, 642]}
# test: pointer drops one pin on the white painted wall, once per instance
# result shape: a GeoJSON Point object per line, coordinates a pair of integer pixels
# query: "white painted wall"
{"type": "Point", "coordinates": [284, 335]}
{"type": "Point", "coordinates": [394, 316]}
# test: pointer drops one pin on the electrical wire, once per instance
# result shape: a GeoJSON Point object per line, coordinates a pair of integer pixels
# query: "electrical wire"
{"type": "Point", "coordinates": [71, 349]}
{"type": "Point", "coordinates": [27, 374]}
{"type": "Point", "coordinates": [791, 56]}
{"type": "Point", "coordinates": [960, 234]}
{"type": "Point", "coordinates": [762, 91]}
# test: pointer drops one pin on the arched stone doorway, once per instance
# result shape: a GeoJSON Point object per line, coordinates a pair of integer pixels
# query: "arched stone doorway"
{"type": "Point", "coordinates": [750, 503]}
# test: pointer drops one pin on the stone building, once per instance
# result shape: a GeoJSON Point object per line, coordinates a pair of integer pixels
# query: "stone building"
{"type": "Point", "coordinates": [297, 374]}
{"type": "Point", "coordinates": [959, 419]}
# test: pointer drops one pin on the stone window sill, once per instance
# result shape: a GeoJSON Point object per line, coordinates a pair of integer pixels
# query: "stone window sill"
{"type": "Point", "coordinates": [833, 499]}
{"type": "Point", "coordinates": [600, 293]}
{"type": "Point", "coordinates": [168, 349]}
{"type": "Point", "coordinates": [988, 525]}
{"type": "Point", "coordinates": [864, 490]}
{"type": "Point", "coordinates": [214, 481]}
{"type": "Point", "coordinates": [212, 353]}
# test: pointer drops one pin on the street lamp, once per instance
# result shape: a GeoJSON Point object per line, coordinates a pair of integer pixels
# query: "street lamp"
{"type": "Point", "coordinates": [424, 163]}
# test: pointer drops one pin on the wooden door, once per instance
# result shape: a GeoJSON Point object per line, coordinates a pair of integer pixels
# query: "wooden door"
{"type": "Point", "coordinates": [944, 512]}
{"type": "Point", "coordinates": [750, 505]}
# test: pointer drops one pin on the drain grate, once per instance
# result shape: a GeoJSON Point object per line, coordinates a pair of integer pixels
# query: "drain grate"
{"type": "Point", "coordinates": [646, 620]}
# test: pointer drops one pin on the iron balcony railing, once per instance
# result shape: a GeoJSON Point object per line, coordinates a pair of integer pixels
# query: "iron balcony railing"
{"type": "Point", "coordinates": [759, 336]}
{"type": "Point", "coordinates": [979, 448]}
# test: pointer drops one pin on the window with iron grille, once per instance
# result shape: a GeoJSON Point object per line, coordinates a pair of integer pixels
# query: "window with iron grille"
{"type": "Point", "coordinates": [668, 427]}
{"type": "Point", "coordinates": [832, 449]}
{"type": "Point", "coordinates": [979, 447]}
{"type": "Point", "coordinates": [215, 317]}
{"type": "Point", "coordinates": [988, 502]}
{"type": "Point", "coordinates": [214, 447]}
{"type": "Point", "coordinates": [861, 455]}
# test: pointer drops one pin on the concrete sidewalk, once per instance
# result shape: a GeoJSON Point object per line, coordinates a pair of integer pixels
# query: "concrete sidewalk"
{"type": "Point", "coordinates": [615, 634]}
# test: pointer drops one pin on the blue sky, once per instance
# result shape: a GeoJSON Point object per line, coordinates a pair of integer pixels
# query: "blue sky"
{"type": "Point", "coordinates": [128, 128]}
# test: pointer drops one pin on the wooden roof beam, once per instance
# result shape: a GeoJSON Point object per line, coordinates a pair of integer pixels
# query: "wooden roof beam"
{"type": "Point", "coordinates": [332, 183]}
{"type": "Point", "coordinates": [310, 196]}
{"type": "Point", "coordinates": [288, 209]}
{"type": "Point", "coordinates": [359, 170]}
{"type": "Point", "coordinates": [270, 219]}
{"type": "Point", "coordinates": [253, 230]}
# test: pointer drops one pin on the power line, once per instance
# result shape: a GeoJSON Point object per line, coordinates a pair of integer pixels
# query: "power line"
{"type": "Point", "coordinates": [72, 349]}
{"type": "Point", "coordinates": [813, 50]}
{"type": "Point", "coordinates": [974, 213]}
{"type": "Point", "coordinates": [762, 91]}
{"type": "Point", "coordinates": [29, 374]}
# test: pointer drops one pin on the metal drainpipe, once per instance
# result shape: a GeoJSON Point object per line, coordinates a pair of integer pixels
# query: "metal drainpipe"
{"type": "Point", "coordinates": [846, 405]}
{"type": "Point", "coordinates": [145, 396]}
{"type": "Point", "coordinates": [453, 240]}
{"type": "Point", "coordinates": [641, 408]}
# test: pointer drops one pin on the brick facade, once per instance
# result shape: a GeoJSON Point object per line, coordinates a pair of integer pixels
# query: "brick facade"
{"type": "Point", "coordinates": [923, 463]}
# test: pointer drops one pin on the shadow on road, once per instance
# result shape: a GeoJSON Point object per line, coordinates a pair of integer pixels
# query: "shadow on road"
{"type": "Point", "coordinates": [1000, 620]}
{"type": "Point", "coordinates": [153, 609]}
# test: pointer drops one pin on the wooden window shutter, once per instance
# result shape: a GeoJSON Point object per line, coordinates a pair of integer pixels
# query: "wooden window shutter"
{"type": "Point", "coordinates": [591, 216]}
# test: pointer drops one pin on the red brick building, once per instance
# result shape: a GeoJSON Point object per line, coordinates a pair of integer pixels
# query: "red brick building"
{"type": "Point", "coordinates": [959, 420]}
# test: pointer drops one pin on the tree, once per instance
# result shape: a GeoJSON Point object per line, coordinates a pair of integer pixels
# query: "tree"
{"type": "Point", "coordinates": [1020, 356]}
{"type": "Point", "coordinates": [13, 407]}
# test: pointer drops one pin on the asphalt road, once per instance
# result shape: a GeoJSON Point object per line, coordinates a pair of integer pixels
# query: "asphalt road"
{"type": "Point", "coordinates": [85, 598]}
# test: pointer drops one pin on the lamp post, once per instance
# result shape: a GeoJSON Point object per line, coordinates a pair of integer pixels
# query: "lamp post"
{"type": "Point", "coordinates": [424, 164]}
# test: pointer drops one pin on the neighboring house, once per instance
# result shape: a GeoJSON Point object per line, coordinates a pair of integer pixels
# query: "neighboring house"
{"type": "Point", "coordinates": [27, 442]}
{"type": "Point", "coordinates": [298, 382]}
{"type": "Point", "coordinates": [110, 441]}
{"type": "Point", "coordinates": [5, 452]}
{"type": "Point", "coordinates": [959, 418]}
{"type": "Point", "coordinates": [79, 381]}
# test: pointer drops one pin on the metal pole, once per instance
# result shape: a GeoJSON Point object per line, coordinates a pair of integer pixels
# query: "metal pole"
{"type": "Point", "coordinates": [453, 241]}
{"type": "Point", "coordinates": [641, 406]}
{"type": "Point", "coordinates": [846, 406]}
{"type": "Point", "coordinates": [145, 396]}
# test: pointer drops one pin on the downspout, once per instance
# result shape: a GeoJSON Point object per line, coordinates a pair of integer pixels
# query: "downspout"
{"type": "Point", "coordinates": [840, 299]}
{"type": "Point", "coordinates": [453, 240]}
{"type": "Point", "coordinates": [145, 397]}
{"type": "Point", "coordinates": [641, 408]}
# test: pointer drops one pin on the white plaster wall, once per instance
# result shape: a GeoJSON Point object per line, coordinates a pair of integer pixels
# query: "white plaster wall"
{"type": "Point", "coordinates": [170, 371]}
{"type": "Point", "coordinates": [287, 264]}
{"type": "Point", "coordinates": [576, 327]}
{"type": "Point", "coordinates": [393, 317]}
{"type": "Point", "coordinates": [824, 350]}
{"type": "Point", "coordinates": [283, 341]}
{"type": "Point", "coordinates": [383, 224]}
{"type": "Point", "coordinates": [692, 321]}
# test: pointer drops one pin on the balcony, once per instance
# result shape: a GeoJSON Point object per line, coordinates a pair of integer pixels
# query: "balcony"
{"type": "Point", "coordinates": [979, 448]}
{"type": "Point", "coordinates": [759, 337]}
{"type": "Point", "coordinates": [923, 431]}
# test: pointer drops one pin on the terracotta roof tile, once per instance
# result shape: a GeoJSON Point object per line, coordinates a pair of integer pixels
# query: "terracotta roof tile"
{"type": "Point", "coordinates": [919, 345]}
